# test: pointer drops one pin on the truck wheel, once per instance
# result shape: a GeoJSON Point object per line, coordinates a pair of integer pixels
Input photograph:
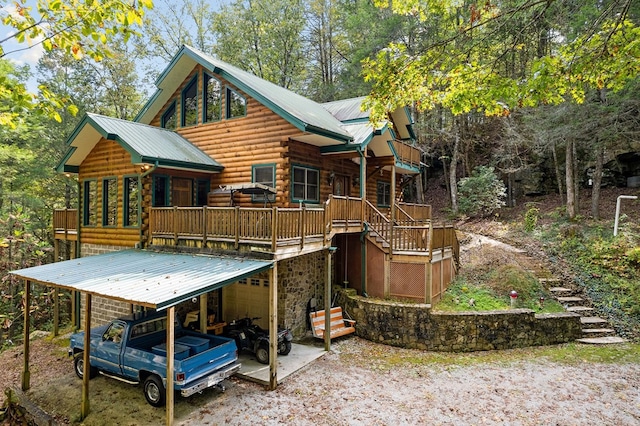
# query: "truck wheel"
{"type": "Point", "coordinates": [262, 353]}
{"type": "Point", "coordinates": [154, 391]}
{"type": "Point", "coordinates": [78, 366]}
{"type": "Point", "coordinates": [284, 348]}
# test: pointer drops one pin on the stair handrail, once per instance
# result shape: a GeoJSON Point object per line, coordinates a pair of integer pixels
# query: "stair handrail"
{"type": "Point", "coordinates": [377, 221]}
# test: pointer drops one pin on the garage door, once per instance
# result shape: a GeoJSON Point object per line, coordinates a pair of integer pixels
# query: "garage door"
{"type": "Point", "coordinates": [247, 297]}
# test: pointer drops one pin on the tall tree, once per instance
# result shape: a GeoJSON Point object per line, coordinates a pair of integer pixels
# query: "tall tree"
{"type": "Point", "coordinates": [263, 37]}
{"type": "Point", "coordinates": [78, 27]}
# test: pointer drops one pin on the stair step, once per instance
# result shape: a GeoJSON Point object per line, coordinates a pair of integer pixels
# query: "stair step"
{"type": "Point", "coordinates": [560, 290]}
{"type": "Point", "coordinates": [548, 280]}
{"type": "Point", "coordinates": [592, 321]}
{"type": "Point", "coordinates": [598, 332]}
{"type": "Point", "coordinates": [608, 340]}
{"type": "Point", "coordinates": [570, 299]}
{"type": "Point", "coordinates": [582, 310]}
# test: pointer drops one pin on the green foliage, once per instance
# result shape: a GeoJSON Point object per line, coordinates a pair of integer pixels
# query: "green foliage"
{"type": "Point", "coordinates": [531, 217]}
{"type": "Point", "coordinates": [489, 290]}
{"type": "Point", "coordinates": [11, 412]}
{"type": "Point", "coordinates": [481, 193]}
{"type": "Point", "coordinates": [606, 267]}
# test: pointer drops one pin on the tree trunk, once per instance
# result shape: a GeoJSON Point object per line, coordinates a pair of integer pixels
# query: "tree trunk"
{"type": "Point", "coordinates": [453, 168]}
{"type": "Point", "coordinates": [576, 178]}
{"type": "Point", "coordinates": [558, 174]}
{"type": "Point", "coordinates": [420, 186]}
{"type": "Point", "coordinates": [571, 196]}
{"type": "Point", "coordinates": [597, 180]}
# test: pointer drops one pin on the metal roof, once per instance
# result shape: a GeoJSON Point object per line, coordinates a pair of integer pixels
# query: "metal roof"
{"type": "Point", "coordinates": [347, 109]}
{"type": "Point", "coordinates": [146, 144]}
{"type": "Point", "coordinates": [145, 278]}
{"type": "Point", "coordinates": [301, 112]}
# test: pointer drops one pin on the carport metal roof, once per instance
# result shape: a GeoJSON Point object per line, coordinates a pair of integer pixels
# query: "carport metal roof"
{"type": "Point", "coordinates": [145, 278]}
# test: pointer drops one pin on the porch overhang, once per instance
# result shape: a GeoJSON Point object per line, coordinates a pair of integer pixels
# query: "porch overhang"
{"type": "Point", "coordinates": [145, 278]}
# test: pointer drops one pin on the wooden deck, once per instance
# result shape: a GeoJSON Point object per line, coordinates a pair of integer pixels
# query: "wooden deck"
{"type": "Point", "coordinates": [275, 229]}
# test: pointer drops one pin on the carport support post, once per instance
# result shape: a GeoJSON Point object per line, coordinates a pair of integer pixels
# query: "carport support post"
{"type": "Point", "coordinates": [273, 326]}
{"type": "Point", "coordinates": [26, 374]}
{"type": "Point", "coordinates": [84, 408]}
{"type": "Point", "coordinates": [171, 330]}
{"type": "Point", "coordinates": [203, 313]}
{"type": "Point", "coordinates": [327, 301]}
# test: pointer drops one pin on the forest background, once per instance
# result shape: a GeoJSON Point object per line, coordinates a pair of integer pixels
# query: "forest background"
{"type": "Point", "coordinates": [540, 95]}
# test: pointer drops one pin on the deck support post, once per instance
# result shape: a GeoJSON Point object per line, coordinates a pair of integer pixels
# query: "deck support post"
{"type": "Point", "coordinates": [273, 326]}
{"type": "Point", "coordinates": [204, 312]}
{"type": "Point", "coordinates": [85, 405]}
{"type": "Point", "coordinates": [327, 300]}
{"type": "Point", "coordinates": [171, 329]}
{"type": "Point", "coordinates": [26, 374]}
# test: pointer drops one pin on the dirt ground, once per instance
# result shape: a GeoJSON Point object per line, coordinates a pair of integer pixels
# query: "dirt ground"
{"type": "Point", "coordinates": [364, 383]}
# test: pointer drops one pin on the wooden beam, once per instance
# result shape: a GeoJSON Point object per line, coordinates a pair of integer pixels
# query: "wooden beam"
{"type": "Point", "coordinates": [171, 331]}
{"type": "Point", "coordinates": [203, 312]}
{"type": "Point", "coordinates": [327, 301]}
{"type": "Point", "coordinates": [341, 156]}
{"type": "Point", "coordinates": [85, 405]}
{"type": "Point", "coordinates": [273, 326]}
{"type": "Point", "coordinates": [26, 374]}
{"type": "Point", "coordinates": [56, 312]}
{"type": "Point", "coordinates": [381, 161]}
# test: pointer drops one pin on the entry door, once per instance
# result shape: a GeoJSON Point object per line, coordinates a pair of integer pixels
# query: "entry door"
{"type": "Point", "coordinates": [341, 185]}
{"type": "Point", "coordinates": [247, 298]}
{"type": "Point", "coordinates": [182, 192]}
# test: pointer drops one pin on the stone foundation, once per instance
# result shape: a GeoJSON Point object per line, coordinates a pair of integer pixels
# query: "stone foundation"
{"type": "Point", "coordinates": [416, 326]}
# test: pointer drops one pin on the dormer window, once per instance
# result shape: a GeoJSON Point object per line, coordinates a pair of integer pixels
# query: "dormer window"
{"type": "Point", "coordinates": [236, 104]}
{"type": "Point", "coordinates": [190, 103]}
{"type": "Point", "coordinates": [212, 99]}
{"type": "Point", "coordinates": [169, 119]}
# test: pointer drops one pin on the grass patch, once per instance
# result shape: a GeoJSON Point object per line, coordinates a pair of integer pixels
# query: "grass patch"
{"type": "Point", "coordinates": [482, 288]}
{"type": "Point", "coordinates": [379, 357]}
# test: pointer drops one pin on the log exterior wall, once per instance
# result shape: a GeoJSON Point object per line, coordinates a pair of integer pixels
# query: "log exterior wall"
{"type": "Point", "coordinates": [108, 159]}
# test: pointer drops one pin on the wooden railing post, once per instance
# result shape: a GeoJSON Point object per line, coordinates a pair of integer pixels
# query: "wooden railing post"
{"type": "Point", "coordinates": [274, 229]}
{"type": "Point", "coordinates": [204, 226]}
{"type": "Point", "coordinates": [303, 210]}
{"type": "Point", "coordinates": [175, 225]}
{"type": "Point", "coordinates": [237, 227]}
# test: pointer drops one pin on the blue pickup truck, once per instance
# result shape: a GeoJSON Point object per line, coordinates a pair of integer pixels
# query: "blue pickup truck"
{"type": "Point", "coordinates": [133, 349]}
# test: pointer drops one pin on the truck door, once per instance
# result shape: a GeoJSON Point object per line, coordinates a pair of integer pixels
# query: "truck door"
{"type": "Point", "coordinates": [108, 351]}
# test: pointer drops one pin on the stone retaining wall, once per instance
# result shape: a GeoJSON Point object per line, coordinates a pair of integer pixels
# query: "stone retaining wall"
{"type": "Point", "coordinates": [417, 326]}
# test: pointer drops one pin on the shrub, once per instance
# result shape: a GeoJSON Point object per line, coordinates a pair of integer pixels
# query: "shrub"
{"type": "Point", "coordinates": [481, 193]}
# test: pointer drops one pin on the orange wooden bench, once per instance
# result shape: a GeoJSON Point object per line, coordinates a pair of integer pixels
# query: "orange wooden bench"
{"type": "Point", "coordinates": [339, 325]}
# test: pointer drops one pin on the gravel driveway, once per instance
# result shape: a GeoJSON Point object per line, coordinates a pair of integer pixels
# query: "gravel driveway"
{"type": "Point", "coordinates": [362, 383]}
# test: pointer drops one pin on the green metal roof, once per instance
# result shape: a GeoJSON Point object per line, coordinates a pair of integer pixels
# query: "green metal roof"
{"type": "Point", "coordinates": [145, 144]}
{"type": "Point", "coordinates": [303, 113]}
{"type": "Point", "coordinates": [145, 278]}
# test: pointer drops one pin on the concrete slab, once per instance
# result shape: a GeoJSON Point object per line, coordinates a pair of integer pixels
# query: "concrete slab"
{"type": "Point", "coordinates": [300, 356]}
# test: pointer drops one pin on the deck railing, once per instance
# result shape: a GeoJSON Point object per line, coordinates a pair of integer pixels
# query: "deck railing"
{"type": "Point", "coordinates": [406, 153]}
{"type": "Point", "coordinates": [276, 227]}
{"type": "Point", "coordinates": [65, 220]}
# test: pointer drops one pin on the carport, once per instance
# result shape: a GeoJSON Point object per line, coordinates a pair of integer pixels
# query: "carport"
{"type": "Point", "coordinates": [152, 280]}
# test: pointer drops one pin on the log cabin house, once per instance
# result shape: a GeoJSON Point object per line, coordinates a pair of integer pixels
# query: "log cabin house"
{"type": "Point", "coordinates": [221, 162]}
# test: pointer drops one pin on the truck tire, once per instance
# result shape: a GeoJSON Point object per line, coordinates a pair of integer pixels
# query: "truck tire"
{"type": "Point", "coordinates": [154, 391]}
{"type": "Point", "coordinates": [262, 353]}
{"type": "Point", "coordinates": [78, 366]}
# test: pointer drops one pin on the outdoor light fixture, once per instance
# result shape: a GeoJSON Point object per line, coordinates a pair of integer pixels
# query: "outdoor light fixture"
{"type": "Point", "coordinates": [332, 176]}
{"type": "Point", "coordinates": [514, 296]}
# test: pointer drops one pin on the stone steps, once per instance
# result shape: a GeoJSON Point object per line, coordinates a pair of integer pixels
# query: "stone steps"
{"type": "Point", "coordinates": [595, 330]}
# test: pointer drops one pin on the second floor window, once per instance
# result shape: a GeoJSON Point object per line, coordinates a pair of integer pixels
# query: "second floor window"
{"type": "Point", "coordinates": [236, 104]}
{"type": "Point", "coordinates": [169, 119]}
{"type": "Point", "coordinates": [109, 202]}
{"type": "Point", "coordinates": [383, 193]}
{"type": "Point", "coordinates": [212, 99]}
{"type": "Point", "coordinates": [266, 175]}
{"type": "Point", "coordinates": [89, 203]}
{"type": "Point", "coordinates": [306, 184]}
{"type": "Point", "coordinates": [131, 201]}
{"type": "Point", "coordinates": [190, 103]}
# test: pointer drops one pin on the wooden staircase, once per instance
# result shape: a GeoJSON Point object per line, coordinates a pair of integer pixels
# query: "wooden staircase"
{"type": "Point", "coordinates": [595, 330]}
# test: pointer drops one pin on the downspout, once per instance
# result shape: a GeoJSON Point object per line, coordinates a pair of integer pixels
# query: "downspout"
{"type": "Point", "coordinates": [142, 176]}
